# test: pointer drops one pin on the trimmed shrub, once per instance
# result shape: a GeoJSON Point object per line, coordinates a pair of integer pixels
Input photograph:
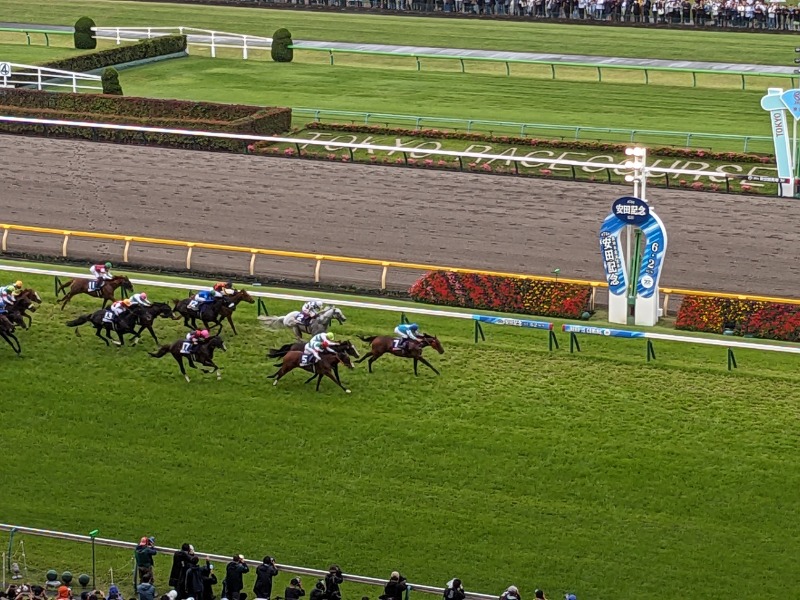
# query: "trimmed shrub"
{"type": "Point", "coordinates": [84, 36]}
{"type": "Point", "coordinates": [711, 314]}
{"type": "Point", "coordinates": [506, 294]}
{"type": "Point", "coordinates": [118, 55]}
{"type": "Point", "coordinates": [281, 42]}
{"type": "Point", "coordinates": [110, 81]}
{"type": "Point", "coordinates": [174, 114]}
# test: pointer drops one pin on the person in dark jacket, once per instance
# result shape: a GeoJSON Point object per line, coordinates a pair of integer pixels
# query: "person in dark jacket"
{"type": "Point", "coordinates": [264, 574]}
{"type": "Point", "coordinates": [146, 590]}
{"type": "Point", "coordinates": [295, 589]}
{"type": "Point", "coordinates": [233, 577]}
{"type": "Point", "coordinates": [454, 590]}
{"type": "Point", "coordinates": [395, 588]}
{"type": "Point", "coordinates": [332, 581]}
{"type": "Point", "coordinates": [209, 581]}
{"type": "Point", "coordinates": [144, 554]}
{"type": "Point", "coordinates": [193, 583]}
{"type": "Point", "coordinates": [180, 562]}
{"type": "Point", "coordinates": [318, 593]}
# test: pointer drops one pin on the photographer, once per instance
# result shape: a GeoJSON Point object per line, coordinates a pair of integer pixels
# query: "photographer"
{"type": "Point", "coordinates": [144, 554]}
{"type": "Point", "coordinates": [233, 577]}
{"type": "Point", "coordinates": [454, 590]}
{"type": "Point", "coordinates": [295, 590]}
{"type": "Point", "coordinates": [318, 593]}
{"type": "Point", "coordinates": [332, 581]}
{"type": "Point", "coordinates": [180, 563]}
{"type": "Point", "coordinates": [209, 581]}
{"type": "Point", "coordinates": [395, 587]}
{"type": "Point", "coordinates": [264, 574]}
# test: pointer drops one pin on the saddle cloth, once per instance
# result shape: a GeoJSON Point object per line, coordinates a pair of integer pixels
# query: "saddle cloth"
{"type": "Point", "coordinates": [108, 317]}
{"type": "Point", "coordinates": [397, 344]}
{"type": "Point", "coordinates": [186, 348]}
{"type": "Point", "coordinates": [306, 360]}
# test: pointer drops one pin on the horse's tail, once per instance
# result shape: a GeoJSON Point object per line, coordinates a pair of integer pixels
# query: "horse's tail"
{"type": "Point", "coordinates": [79, 321]}
{"type": "Point", "coordinates": [368, 340]}
{"type": "Point", "coordinates": [279, 352]}
{"type": "Point", "coordinates": [271, 322]}
{"type": "Point", "coordinates": [160, 352]}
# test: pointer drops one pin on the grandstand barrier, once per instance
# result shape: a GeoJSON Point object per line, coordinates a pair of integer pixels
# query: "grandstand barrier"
{"type": "Point", "coordinates": [418, 57]}
{"type": "Point", "coordinates": [686, 139]}
{"type": "Point", "coordinates": [729, 345]}
{"type": "Point", "coordinates": [223, 558]}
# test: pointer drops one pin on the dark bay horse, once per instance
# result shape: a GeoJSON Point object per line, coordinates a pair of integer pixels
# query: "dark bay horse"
{"type": "Point", "coordinates": [81, 286]}
{"type": "Point", "coordinates": [322, 368]}
{"type": "Point", "coordinates": [203, 354]}
{"type": "Point", "coordinates": [27, 300]}
{"type": "Point", "coordinates": [126, 323]}
{"type": "Point", "coordinates": [214, 312]}
{"type": "Point", "coordinates": [384, 344]}
{"type": "Point", "coordinates": [7, 333]}
{"type": "Point", "coordinates": [345, 345]}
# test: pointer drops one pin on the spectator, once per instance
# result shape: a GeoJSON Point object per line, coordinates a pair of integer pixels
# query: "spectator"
{"type": "Point", "coordinates": [539, 595]}
{"type": "Point", "coordinates": [146, 590]}
{"type": "Point", "coordinates": [180, 562]}
{"type": "Point", "coordinates": [194, 579]}
{"type": "Point", "coordinates": [332, 581]}
{"type": "Point", "coordinates": [512, 593]}
{"type": "Point", "coordinates": [144, 554]}
{"type": "Point", "coordinates": [570, 597]}
{"type": "Point", "coordinates": [233, 577]}
{"type": "Point", "coordinates": [114, 593]}
{"type": "Point", "coordinates": [23, 593]}
{"type": "Point", "coordinates": [295, 590]}
{"type": "Point", "coordinates": [395, 587]}
{"type": "Point", "coordinates": [318, 593]}
{"type": "Point", "coordinates": [39, 593]}
{"type": "Point", "coordinates": [64, 593]}
{"type": "Point", "coordinates": [264, 574]}
{"type": "Point", "coordinates": [209, 581]}
{"type": "Point", "coordinates": [454, 590]}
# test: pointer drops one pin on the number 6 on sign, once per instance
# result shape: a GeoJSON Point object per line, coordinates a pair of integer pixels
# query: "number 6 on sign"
{"type": "Point", "coordinates": [5, 69]}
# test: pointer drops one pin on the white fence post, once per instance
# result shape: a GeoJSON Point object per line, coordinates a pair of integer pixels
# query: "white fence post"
{"type": "Point", "coordinates": [74, 83]}
{"type": "Point", "coordinates": [244, 47]}
{"type": "Point", "coordinates": [213, 48]}
{"type": "Point", "coordinates": [38, 79]}
{"type": "Point", "coordinates": [119, 41]}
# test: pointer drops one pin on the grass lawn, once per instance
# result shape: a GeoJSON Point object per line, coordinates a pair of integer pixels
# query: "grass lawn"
{"type": "Point", "coordinates": [595, 473]}
{"type": "Point", "coordinates": [492, 97]}
{"type": "Point", "coordinates": [521, 36]}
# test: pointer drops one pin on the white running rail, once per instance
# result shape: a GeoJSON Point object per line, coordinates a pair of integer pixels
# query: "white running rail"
{"type": "Point", "coordinates": [14, 74]}
{"type": "Point", "coordinates": [194, 37]}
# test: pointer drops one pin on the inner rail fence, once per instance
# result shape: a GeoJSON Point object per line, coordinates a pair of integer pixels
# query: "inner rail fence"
{"type": "Point", "coordinates": [223, 558]}
{"type": "Point", "coordinates": [28, 32]}
{"type": "Point", "coordinates": [19, 75]}
{"type": "Point", "coordinates": [686, 139]}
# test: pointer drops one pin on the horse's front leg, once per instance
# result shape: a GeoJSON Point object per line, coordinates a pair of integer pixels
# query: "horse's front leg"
{"type": "Point", "coordinates": [330, 376]}
{"type": "Point", "coordinates": [429, 365]}
{"type": "Point", "coordinates": [98, 331]}
{"type": "Point", "coordinates": [233, 327]}
{"type": "Point", "coordinates": [179, 360]}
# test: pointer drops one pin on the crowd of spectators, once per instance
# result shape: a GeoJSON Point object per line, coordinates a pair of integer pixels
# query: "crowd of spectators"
{"type": "Point", "coordinates": [741, 14]}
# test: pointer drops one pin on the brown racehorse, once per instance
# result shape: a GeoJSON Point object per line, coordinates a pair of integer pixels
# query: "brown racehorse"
{"type": "Point", "coordinates": [213, 313]}
{"type": "Point", "coordinates": [81, 286]}
{"type": "Point", "coordinates": [26, 300]}
{"type": "Point", "coordinates": [346, 345]}
{"type": "Point", "coordinates": [204, 354]}
{"type": "Point", "coordinates": [7, 333]}
{"type": "Point", "coordinates": [322, 368]}
{"type": "Point", "coordinates": [384, 344]}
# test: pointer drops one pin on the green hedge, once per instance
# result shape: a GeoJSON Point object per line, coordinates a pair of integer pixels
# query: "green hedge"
{"type": "Point", "coordinates": [176, 114]}
{"type": "Point", "coordinates": [111, 82]}
{"type": "Point", "coordinates": [281, 50]}
{"type": "Point", "coordinates": [121, 54]}
{"type": "Point", "coordinates": [83, 37]}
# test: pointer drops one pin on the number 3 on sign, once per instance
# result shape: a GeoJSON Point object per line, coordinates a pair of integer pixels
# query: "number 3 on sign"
{"type": "Point", "coordinates": [5, 69]}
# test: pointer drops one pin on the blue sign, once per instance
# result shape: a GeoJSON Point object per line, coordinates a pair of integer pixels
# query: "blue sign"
{"type": "Point", "coordinates": [791, 99]}
{"type": "Point", "coordinates": [630, 210]}
{"type": "Point", "coordinates": [613, 260]}
{"type": "Point", "coordinates": [621, 333]}
{"type": "Point", "coordinates": [515, 322]}
{"type": "Point", "coordinates": [653, 258]}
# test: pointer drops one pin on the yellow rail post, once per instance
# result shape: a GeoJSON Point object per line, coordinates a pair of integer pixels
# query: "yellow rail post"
{"type": "Point", "coordinates": [64, 244]}
{"type": "Point", "coordinates": [5, 238]}
{"type": "Point", "coordinates": [125, 250]}
{"type": "Point", "coordinates": [253, 254]}
{"type": "Point", "coordinates": [190, 246]}
{"type": "Point", "coordinates": [317, 268]}
{"type": "Point", "coordinates": [383, 275]}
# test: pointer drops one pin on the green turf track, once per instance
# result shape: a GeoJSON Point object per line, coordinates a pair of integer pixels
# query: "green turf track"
{"type": "Point", "coordinates": [595, 473]}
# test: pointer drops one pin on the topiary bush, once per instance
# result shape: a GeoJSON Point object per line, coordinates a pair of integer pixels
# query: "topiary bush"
{"type": "Point", "coordinates": [84, 36]}
{"type": "Point", "coordinates": [281, 46]}
{"type": "Point", "coordinates": [110, 81]}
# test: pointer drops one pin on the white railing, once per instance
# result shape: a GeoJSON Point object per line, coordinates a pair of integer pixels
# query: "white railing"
{"type": "Point", "coordinates": [618, 169]}
{"type": "Point", "coordinates": [223, 558]}
{"type": "Point", "coordinates": [14, 74]}
{"type": "Point", "coordinates": [413, 310]}
{"type": "Point", "coordinates": [194, 37]}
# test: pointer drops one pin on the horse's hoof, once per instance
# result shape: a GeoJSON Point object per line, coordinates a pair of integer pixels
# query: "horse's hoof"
{"type": "Point", "coordinates": [275, 382]}
{"type": "Point", "coordinates": [136, 340]}
{"type": "Point", "coordinates": [186, 377]}
{"type": "Point", "coordinates": [347, 391]}
{"type": "Point", "coordinates": [219, 375]}
{"type": "Point", "coordinates": [116, 343]}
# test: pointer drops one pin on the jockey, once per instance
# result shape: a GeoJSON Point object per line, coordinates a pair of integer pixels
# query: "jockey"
{"type": "Point", "coordinates": [407, 332]}
{"type": "Point", "coordinates": [194, 338]}
{"type": "Point", "coordinates": [140, 300]}
{"type": "Point", "coordinates": [120, 307]}
{"type": "Point", "coordinates": [309, 311]}
{"type": "Point", "coordinates": [202, 297]}
{"type": "Point", "coordinates": [13, 289]}
{"type": "Point", "coordinates": [3, 304]}
{"type": "Point", "coordinates": [223, 288]}
{"type": "Point", "coordinates": [319, 343]}
{"type": "Point", "coordinates": [101, 272]}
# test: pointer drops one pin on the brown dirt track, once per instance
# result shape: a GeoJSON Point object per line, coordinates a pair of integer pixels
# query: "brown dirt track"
{"type": "Point", "coordinates": [716, 242]}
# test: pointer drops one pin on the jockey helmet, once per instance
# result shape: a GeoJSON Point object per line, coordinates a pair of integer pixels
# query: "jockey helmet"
{"type": "Point", "coordinates": [108, 265]}
{"type": "Point", "coordinates": [204, 333]}
{"type": "Point", "coordinates": [331, 337]}
{"type": "Point", "coordinates": [413, 327]}
{"type": "Point", "coordinates": [143, 295]}
{"type": "Point", "coordinates": [18, 284]}
{"type": "Point", "coordinates": [229, 284]}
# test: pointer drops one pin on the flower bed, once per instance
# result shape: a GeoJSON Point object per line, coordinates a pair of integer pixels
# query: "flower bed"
{"type": "Point", "coordinates": [505, 294]}
{"type": "Point", "coordinates": [766, 320]}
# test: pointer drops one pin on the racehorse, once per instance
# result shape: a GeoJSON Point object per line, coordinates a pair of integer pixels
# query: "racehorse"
{"type": "Point", "coordinates": [125, 323]}
{"type": "Point", "coordinates": [383, 344]}
{"type": "Point", "coordinates": [106, 292]}
{"type": "Point", "coordinates": [346, 345]}
{"type": "Point", "coordinates": [324, 367]}
{"type": "Point", "coordinates": [27, 300]}
{"type": "Point", "coordinates": [319, 324]}
{"type": "Point", "coordinates": [203, 354]}
{"type": "Point", "coordinates": [212, 313]}
{"type": "Point", "coordinates": [7, 333]}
